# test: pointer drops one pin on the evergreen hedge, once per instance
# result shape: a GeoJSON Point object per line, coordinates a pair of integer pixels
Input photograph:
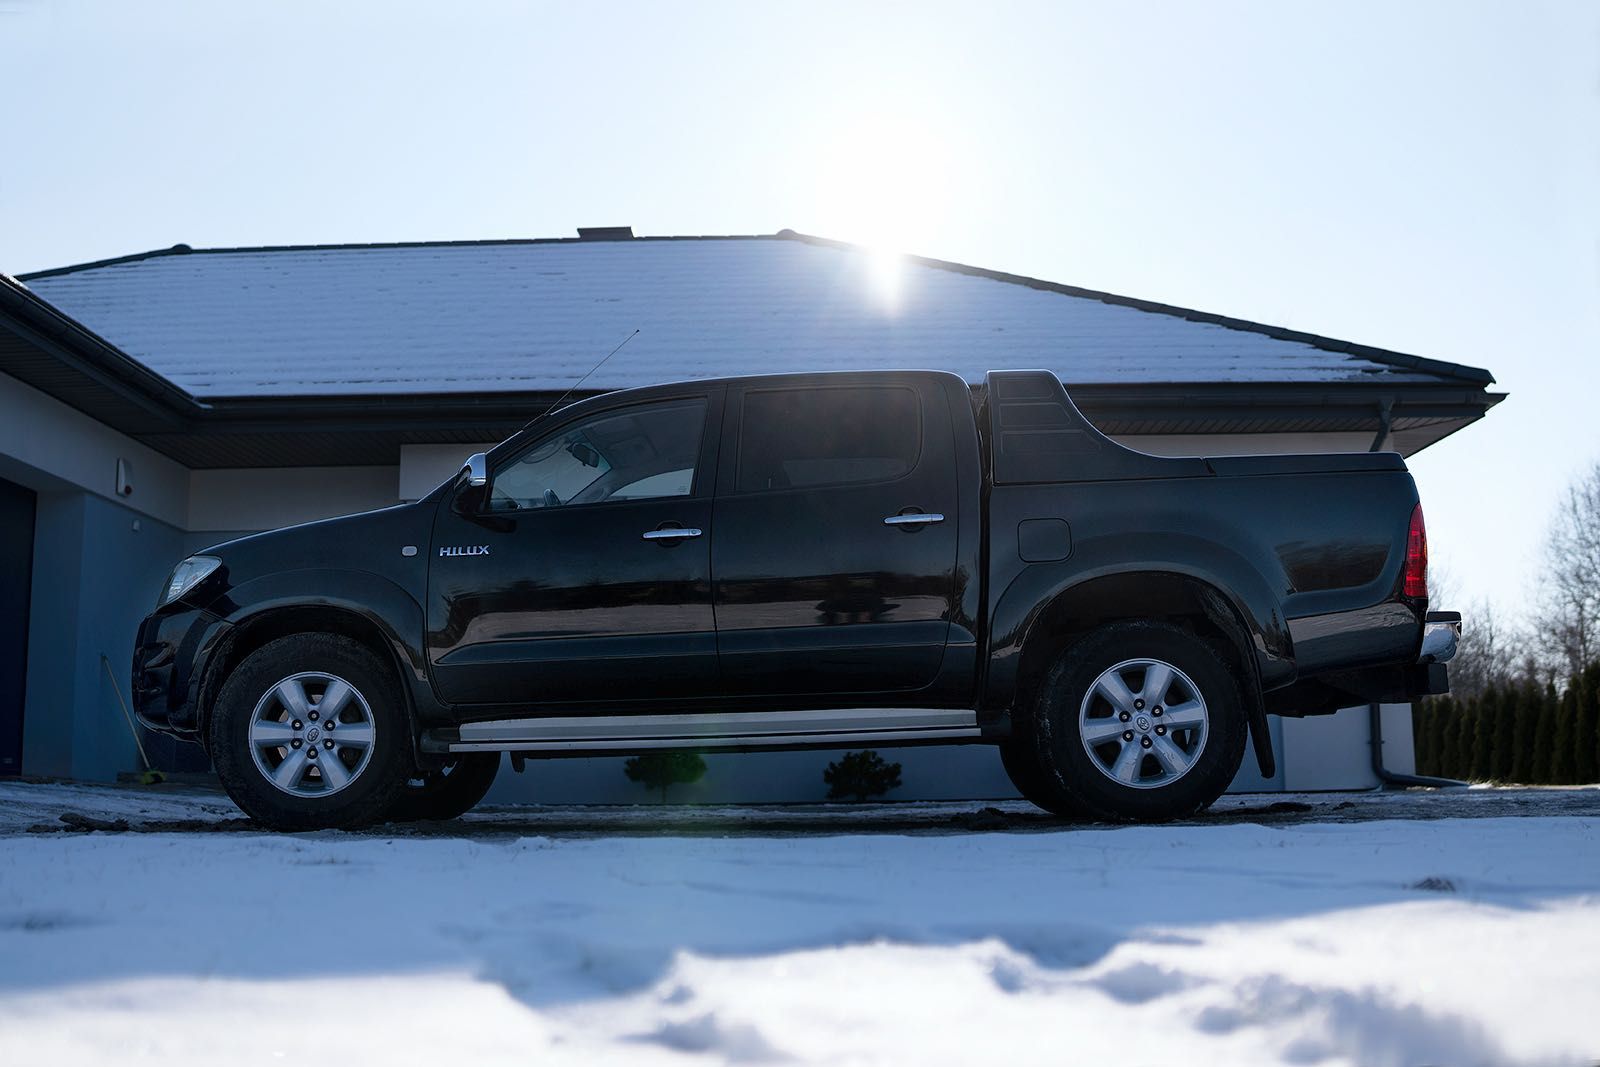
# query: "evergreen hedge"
{"type": "Point", "coordinates": [1519, 733]}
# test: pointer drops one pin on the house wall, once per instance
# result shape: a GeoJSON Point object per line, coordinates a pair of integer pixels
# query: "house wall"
{"type": "Point", "coordinates": [1246, 444]}
{"type": "Point", "coordinates": [99, 559]}
{"type": "Point", "coordinates": [1326, 752]}
{"type": "Point", "coordinates": [267, 498]}
{"type": "Point", "coordinates": [97, 569]}
{"type": "Point", "coordinates": [967, 772]}
{"type": "Point", "coordinates": [1335, 751]}
{"type": "Point", "coordinates": [46, 444]}
{"type": "Point", "coordinates": [424, 467]}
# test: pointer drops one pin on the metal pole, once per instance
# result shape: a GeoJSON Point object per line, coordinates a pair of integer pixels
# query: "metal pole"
{"type": "Point", "coordinates": [1395, 778]}
{"type": "Point", "coordinates": [132, 726]}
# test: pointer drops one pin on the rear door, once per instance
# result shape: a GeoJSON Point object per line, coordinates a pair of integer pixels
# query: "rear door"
{"type": "Point", "coordinates": [585, 574]}
{"type": "Point", "coordinates": [835, 551]}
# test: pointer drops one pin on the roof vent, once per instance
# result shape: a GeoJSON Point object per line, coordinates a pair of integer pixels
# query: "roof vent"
{"type": "Point", "coordinates": [180, 247]}
{"type": "Point", "coordinates": [605, 233]}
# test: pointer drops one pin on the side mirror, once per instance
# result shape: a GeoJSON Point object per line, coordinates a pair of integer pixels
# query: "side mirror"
{"type": "Point", "coordinates": [476, 468]}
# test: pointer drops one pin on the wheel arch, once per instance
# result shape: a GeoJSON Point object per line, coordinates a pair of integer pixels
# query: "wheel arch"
{"type": "Point", "coordinates": [1182, 599]}
{"type": "Point", "coordinates": [378, 623]}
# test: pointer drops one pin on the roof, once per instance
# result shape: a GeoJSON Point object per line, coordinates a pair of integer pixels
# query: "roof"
{"type": "Point", "coordinates": [534, 316]}
{"type": "Point", "coordinates": [341, 354]}
{"type": "Point", "coordinates": [54, 353]}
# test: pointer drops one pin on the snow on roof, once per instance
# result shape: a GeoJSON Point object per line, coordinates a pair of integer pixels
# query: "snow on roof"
{"type": "Point", "coordinates": [535, 315]}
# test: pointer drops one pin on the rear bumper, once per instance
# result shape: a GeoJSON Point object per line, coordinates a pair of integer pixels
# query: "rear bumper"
{"type": "Point", "coordinates": [1424, 680]}
{"type": "Point", "coordinates": [169, 661]}
{"type": "Point", "coordinates": [1441, 635]}
{"type": "Point", "coordinates": [1391, 683]}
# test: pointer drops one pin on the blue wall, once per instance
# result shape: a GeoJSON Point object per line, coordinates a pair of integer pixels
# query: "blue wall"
{"type": "Point", "coordinates": [97, 568]}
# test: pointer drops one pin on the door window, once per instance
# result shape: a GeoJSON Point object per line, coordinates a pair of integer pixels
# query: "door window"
{"type": "Point", "coordinates": [634, 454]}
{"type": "Point", "coordinates": [804, 438]}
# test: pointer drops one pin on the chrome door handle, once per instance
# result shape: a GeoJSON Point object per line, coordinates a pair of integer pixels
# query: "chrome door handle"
{"type": "Point", "coordinates": [916, 518]}
{"type": "Point", "coordinates": [672, 533]}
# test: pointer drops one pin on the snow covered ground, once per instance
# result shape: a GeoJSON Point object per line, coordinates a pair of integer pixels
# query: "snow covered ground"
{"type": "Point", "coordinates": [1296, 930]}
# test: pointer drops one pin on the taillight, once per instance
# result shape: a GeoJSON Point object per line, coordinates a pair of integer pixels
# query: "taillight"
{"type": "Point", "coordinates": [1416, 574]}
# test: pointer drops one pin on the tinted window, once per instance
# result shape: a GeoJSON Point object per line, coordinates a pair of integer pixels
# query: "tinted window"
{"type": "Point", "coordinates": [793, 438]}
{"type": "Point", "coordinates": [634, 454]}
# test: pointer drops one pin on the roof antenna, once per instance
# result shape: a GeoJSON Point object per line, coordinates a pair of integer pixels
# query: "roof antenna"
{"type": "Point", "coordinates": [553, 407]}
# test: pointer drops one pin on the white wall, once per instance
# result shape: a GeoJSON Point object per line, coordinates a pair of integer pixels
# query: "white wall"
{"type": "Point", "coordinates": [1399, 745]}
{"type": "Point", "coordinates": [52, 446]}
{"type": "Point", "coordinates": [424, 467]}
{"type": "Point", "coordinates": [1246, 444]}
{"type": "Point", "coordinates": [261, 498]}
{"type": "Point", "coordinates": [1335, 751]}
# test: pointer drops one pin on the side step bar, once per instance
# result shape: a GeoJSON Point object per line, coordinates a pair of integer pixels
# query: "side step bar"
{"type": "Point", "coordinates": [777, 729]}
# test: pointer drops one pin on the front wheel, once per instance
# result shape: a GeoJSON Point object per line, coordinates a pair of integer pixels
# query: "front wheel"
{"type": "Point", "coordinates": [308, 733]}
{"type": "Point", "coordinates": [1140, 721]}
{"type": "Point", "coordinates": [1020, 759]}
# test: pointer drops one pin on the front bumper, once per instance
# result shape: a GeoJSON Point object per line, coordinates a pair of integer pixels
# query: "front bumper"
{"type": "Point", "coordinates": [169, 660]}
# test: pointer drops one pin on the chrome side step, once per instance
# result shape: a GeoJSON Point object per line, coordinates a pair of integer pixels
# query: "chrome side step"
{"type": "Point", "coordinates": [713, 730]}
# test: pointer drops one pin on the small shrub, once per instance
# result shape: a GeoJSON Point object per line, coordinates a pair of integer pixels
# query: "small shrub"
{"type": "Point", "coordinates": [663, 770]}
{"type": "Point", "coordinates": [860, 776]}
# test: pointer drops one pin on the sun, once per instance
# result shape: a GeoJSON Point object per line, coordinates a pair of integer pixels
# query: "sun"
{"type": "Point", "coordinates": [884, 180]}
{"type": "Point", "coordinates": [884, 183]}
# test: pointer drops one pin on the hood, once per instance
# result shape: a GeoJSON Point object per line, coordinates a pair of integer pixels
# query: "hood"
{"type": "Point", "coordinates": [392, 542]}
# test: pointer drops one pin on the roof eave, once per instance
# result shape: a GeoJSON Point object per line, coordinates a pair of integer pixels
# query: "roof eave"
{"type": "Point", "coordinates": [91, 356]}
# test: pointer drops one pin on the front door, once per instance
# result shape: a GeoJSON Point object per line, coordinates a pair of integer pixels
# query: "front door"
{"type": "Point", "coordinates": [583, 572]}
{"type": "Point", "coordinates": [835, 553]}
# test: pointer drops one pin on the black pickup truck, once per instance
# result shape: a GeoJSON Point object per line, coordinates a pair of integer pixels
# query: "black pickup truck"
{"type": "Point", "coordinates": [792, 561]}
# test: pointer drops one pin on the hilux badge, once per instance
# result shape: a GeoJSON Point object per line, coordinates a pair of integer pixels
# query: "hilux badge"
{"type": "Point", "coordinates": [465, 550]}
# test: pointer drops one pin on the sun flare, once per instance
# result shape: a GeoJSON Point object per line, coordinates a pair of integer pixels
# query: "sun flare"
{"type": "Point", "coordinates": [884, 185]}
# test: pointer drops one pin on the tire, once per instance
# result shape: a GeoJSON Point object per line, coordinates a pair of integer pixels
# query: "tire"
{"type": "Point", "coordinates": [267, 722]}
{"type": "Point", "coordinates": [448, 792]}
{"type": "Point", "coordinates": [1177, 762]}
{"type": "Point", "coordinates": [1021, 762]}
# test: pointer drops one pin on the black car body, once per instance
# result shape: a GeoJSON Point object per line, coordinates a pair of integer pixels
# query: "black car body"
{"type": "Point", "coordinates": [821, 560]}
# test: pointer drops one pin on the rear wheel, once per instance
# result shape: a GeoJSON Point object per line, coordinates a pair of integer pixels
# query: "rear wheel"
{"type": "Point", "coordinates": [448, 791]}
{"type": "Point", "coordinates": [1139, 721]}
{"type": "Point", "coordinates": [308, 733]}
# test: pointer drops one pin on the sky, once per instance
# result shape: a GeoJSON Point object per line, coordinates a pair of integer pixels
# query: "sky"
{"type": "Point", "coordinates": [1417, 176]}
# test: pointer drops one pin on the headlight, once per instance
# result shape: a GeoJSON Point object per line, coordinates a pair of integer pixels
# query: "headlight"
{"type": "Point", "coordinates": [185, 576]}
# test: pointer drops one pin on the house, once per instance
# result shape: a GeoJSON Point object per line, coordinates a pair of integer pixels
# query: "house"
{"type": "Point", "coordinates": [157, 403]}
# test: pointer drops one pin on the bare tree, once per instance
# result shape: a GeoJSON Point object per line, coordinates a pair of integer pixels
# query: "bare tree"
{"type": "Point", "coordinates": [1569, 612]}
{"type": "Point", "coordinates": [1492, 652]}
{"type": "Point", "coordinates": [1493, 649]}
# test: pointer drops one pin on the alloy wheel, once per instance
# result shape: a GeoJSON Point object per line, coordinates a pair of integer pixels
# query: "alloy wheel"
{"type": "Point", "coordinates": [1144, 723]}
{"type": "Point", "coordinates": [312, 734]}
